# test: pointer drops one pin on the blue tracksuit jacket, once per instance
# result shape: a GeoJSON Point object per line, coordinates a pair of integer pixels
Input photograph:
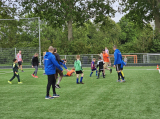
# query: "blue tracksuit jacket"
{"type": "Point", "coordinates": [51, 64]}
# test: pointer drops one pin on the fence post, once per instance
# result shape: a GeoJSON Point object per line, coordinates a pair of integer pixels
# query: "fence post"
{"type": "Point", "coordinates": [15, 54]}
{"type": "Point", "coordinates": [91, 57]}
{"type": "Point", "coordinates": [65, 58]}
{"type": "Point", "coordinates": [147, 58]}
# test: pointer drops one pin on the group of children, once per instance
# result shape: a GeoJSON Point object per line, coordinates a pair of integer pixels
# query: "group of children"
{"type": "Point", "coordinates": [77, 69]}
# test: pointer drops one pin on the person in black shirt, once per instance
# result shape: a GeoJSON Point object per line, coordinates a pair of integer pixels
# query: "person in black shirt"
{"type": "Point", "coordinates": [100, 64]}
{"type": "Point", "coordinates": [57, 70]}
{"type": "Point", "coordinates": [35, 63]}
{"type": "Point", "coordinates": [15, 72]}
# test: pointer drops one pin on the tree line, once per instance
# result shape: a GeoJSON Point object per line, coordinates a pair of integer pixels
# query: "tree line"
{"type": "Point", "coordinates": [67, 26]}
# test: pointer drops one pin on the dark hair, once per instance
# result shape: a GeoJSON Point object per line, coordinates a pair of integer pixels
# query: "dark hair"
{"type": "Point", "coordinates": [55, 50]}
{"type": "Point", "coordinates": [64, 59]}
{"type": "Point", "coordinates": [103, 50]}
{"type": "Point", "coordinates": [99, 58]}
{"type": "Point", "coordinates": [14, 60]}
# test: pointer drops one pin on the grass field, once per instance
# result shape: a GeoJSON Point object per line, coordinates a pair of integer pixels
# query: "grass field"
{"type": "Point", "coordinates": [137, 98]}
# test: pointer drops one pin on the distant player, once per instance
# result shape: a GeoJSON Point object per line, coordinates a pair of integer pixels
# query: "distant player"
{"type": "Point", "coordinates": [106, 50]}
{"type": "Point", "coordinates": [79, 70]}
{"type": "Point", "coordinates": [107, 61]}
{"type": "Point", "coordinates": [20, 61]}
{"type": "Point", "coordinates": [118, 63]}
{"type": "Point", "coordinates": [124, 63]}
{"type": "Point", "coordinates": [15, 72]}
{"type": "Point", "coordinates": [100, 64]}
{"type": "Point", "coordinates": [93, 68]}
{"type": "Point", "coordinates": [69, 73]}
{"type": "Point", "coordinates": [35, 63]}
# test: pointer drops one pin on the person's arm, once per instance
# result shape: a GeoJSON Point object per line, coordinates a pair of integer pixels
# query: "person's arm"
{"type": "Point", "coordinates": [115, 58]}
{"type": "Point", "coordinates": [56, 63]}
{"type": "Point", "coordinates": [17, 56]}
{"type": "Point", "coordinates": [32, 61]}
{"type": "Point", "coordinates": [75, 64]}
{"type": "Point", "coordinates": [38, 62]}
{"type": "Point", "coordinates": [97, 64]}
{"type": "Point", "coordinates": [65, 67]}
{"type": "Point", "coordinates": [21, 57]}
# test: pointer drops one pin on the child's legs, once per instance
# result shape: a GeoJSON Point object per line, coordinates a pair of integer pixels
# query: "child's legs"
{"type": "Point", "coordinates": [61, 76]}
{"type": "Point", "coordinates": [77, 75]}
{"type": "Point", "coordinates": [18, 77]}
{"type": "Point", "coordinates": [21, 67]}
{"type": "Point", "coordinates": [82, 75]}
{"type": "Point", "coordinates": [12, 77]}
{"type": "Point", "coordinates": [36, 70]}
{"type": "Point", "coordinates": [59, 79]}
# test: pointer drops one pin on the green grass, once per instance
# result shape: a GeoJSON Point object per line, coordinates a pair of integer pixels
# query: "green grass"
{"type": "Point", "coordinates": [137, 98]}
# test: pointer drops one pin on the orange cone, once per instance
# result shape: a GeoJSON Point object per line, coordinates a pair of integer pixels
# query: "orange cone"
{"type": "Point", "coordinates": [157, 67]}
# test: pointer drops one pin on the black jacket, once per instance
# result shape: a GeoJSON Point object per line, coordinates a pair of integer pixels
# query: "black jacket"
{"type": "Point", "coordinates": [35, 61]}
{"type": "Point", "coordinates": [15, 67]}
{"type": "Point", "coordinates": [57, 57]}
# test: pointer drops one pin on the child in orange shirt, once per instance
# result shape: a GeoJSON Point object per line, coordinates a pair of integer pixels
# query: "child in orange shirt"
{"type": "Point", "coordinates": [69, 73]}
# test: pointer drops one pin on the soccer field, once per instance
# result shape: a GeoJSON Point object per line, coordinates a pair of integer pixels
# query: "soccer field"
{"type": "Point", "coordinates": [137, 98]}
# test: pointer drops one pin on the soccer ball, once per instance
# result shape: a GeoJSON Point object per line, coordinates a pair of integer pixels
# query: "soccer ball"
{"type": "Point", "coordinates": [159, 70]}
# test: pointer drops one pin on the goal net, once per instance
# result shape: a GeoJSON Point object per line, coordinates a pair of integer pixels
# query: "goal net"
{"type": "Point", "coordinates": [19, 34]}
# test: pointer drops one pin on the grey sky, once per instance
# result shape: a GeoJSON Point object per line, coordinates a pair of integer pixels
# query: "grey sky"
{"type": "Point", "coordinates": [118, 16]}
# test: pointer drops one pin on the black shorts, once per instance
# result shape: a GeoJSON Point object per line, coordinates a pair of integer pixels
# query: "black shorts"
{"type": "Point", "coordinates": [20, 63]}
{"type": "Point", "coordinates": [58, 72]}
{"type": "Point", "coordinates": [79, 72]}
{"type": "Point", "coordinates": [118, 67]}
{"type": "Point", "coordinates": [100, 70]}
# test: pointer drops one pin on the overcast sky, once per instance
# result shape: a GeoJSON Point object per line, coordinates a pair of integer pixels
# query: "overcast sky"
{"type": "Point", "coordinates": [118, 16]}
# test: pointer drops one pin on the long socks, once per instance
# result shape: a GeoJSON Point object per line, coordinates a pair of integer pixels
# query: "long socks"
{"type": "Point", "coordinates": [120, 74]}
{"type": "Point", "coordinates": [77, 80]}
{"type": "Point", "coordinates": [81, 79]}
{"type": "Point", "coordinates": [91, 74]}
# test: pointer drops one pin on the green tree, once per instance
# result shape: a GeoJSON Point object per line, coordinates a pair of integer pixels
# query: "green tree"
{"type": "Point", "coordinates": [142, 11]}
{"type": "Point", "coordinates": [61, 12]}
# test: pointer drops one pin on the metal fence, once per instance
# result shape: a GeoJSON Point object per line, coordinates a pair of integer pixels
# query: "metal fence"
{"type": "Point", "coordinates": [8, 54]}
{"type": "Point", "coordinates": [133, 59]}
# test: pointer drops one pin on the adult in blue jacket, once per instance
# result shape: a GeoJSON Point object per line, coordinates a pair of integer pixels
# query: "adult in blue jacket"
{"type": "Point", "coordinates": [50, 70]}
{"type": "Point", "coordinates": [118, 63]}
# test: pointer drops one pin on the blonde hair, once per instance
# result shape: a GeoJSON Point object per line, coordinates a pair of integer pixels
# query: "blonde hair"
{"type": "Point", "coordinates": [94, 59]}
{"type": "Point", "coordinates": [73, 68]}
{"type": "Point", "coordinates": [78, 56]}
{"type": "Point", "coordinates": [51, 48]}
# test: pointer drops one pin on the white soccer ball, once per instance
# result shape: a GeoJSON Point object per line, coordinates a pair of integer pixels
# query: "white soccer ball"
{"type": "Point", "coordinates": [159, 70]}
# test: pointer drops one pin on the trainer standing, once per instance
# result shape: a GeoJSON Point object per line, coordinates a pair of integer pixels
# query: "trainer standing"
{"type": "Point", "coordinates": [50, 70]}
{"type": "Point", "coordinates": [118, 63]}
{"type": "Point", "coordinates": [20, 61]}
